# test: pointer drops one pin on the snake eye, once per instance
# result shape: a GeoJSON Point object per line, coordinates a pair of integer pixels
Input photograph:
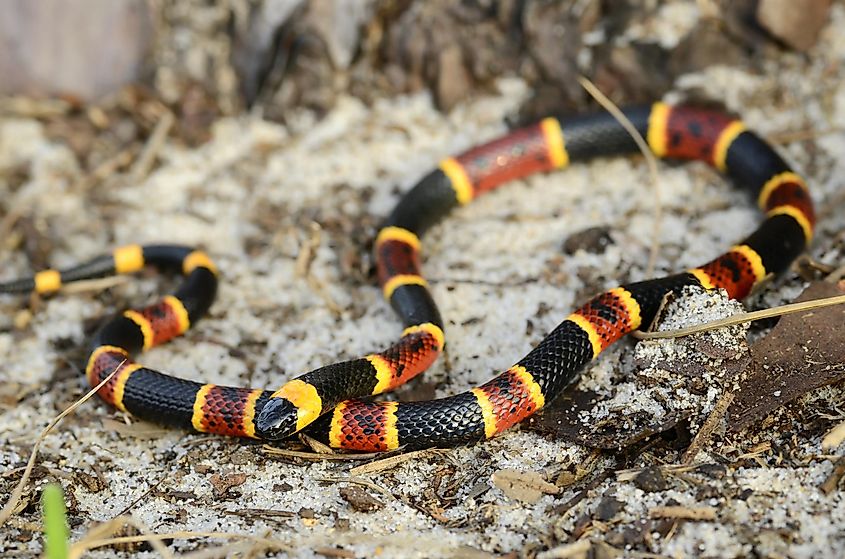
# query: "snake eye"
{"type": "Point", "coordinates": [277, 420]}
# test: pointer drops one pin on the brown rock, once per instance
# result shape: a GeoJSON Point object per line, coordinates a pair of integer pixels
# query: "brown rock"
{"type": "Point", "coordinates": [607, 508]}
{"type": "Point", "coordinates": [795, 22]}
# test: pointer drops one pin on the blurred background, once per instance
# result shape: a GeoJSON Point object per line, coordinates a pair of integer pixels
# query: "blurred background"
{"type": "Point", "coordinates": [204, 58]}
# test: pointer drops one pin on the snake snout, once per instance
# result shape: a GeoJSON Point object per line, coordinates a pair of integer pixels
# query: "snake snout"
{"type": "Point", "coordinates": [277, 420]}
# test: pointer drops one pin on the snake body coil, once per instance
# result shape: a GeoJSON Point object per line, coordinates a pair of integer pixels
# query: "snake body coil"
{"type": "Point", "coordinates": [323, 400]}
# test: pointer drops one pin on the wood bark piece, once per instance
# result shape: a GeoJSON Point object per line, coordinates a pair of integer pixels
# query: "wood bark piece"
{"type": "Point", "coordinates": [79, 48]}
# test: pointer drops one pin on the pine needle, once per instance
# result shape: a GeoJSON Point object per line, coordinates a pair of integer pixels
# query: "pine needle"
{"type": "Point", "coordinates": [743, 318]}
{"type": "Point", "coordinates": [610, 107]}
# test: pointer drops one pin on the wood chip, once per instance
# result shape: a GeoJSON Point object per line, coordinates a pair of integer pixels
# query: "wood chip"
{"type": "Point", "coordinates": [308, 250]}
{"type": "Point", "coordinates": [22, 319]}
{"type": "Point", "coordinates": [834, 437]}
{"type": "Point", "coordinates": [96, 285]}
{"type": "Point", "coordinates": [651, 480]}
{"type": "Point", "coordinates": [315, 445]}
{"type": "Point", "coordinates": [91, 482]}
{"type": "Point", "coordinates": [630, 474]}
{"type": "Point", "coordinates": [335, 552]}
{"type": "Point", "coordinates": [142, 166]}
{"type": "Point", "coordinates": [830, 484]}
{"type": "Point", "coordinates": [685, 513]}
{"type": "Point", "coordinates": [577, 550]}
{"type": "Point", "coordinates": [526, 487]}
{"type": "Point", "coordinates": [261, 513]}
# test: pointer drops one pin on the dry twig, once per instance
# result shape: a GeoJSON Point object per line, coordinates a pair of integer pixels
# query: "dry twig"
{"type": "Point", "coordinates": [830, 484]}
{"type": "Point", "coordinates": [141, 167]}
{"type": "Point", "coordinates": [86, 544]}
{"type": "Point", "coordinates": [710, 425]}
{"type": "Point", "coordinates": [685, 513]}
{"type": "Point", "coordinates": [273, 451]}
{"type": "Point", "coordinates": [393, 461]}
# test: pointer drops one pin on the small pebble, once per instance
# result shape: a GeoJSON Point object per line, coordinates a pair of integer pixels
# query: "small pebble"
{"type": "Point", "coordinates": [608, 508]}
{"type": "Point", "coordinates": [650, 480]}
{"type": "Point", "coordinates": [593, 240]}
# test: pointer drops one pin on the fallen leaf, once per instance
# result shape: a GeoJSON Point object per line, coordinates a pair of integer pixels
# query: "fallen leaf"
{"type": "Point", "coordinates": [802, 352]}
{"type": "Point", "coordinates": [526, 487]}
{"type": "Point", "coordinates": [222, 483]}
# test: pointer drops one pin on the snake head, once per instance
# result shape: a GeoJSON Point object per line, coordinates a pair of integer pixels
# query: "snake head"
{"type": "Point", "coordinates": [277, 420]}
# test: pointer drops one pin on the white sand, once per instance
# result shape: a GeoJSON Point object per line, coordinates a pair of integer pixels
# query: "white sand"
{"type": "Point", "coordinates": [351, 165]}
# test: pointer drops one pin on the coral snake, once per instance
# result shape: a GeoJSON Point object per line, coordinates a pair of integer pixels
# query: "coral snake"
{"type": "Point", "coordinates": [327, 400]}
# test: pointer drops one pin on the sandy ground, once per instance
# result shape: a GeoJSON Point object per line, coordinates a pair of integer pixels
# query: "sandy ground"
{"type": "Point", "coordinates": [252, 197]}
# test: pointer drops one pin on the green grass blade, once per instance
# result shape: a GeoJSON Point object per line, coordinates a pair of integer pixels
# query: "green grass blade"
{"type": "Point", "coordinates": [55, 522]}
